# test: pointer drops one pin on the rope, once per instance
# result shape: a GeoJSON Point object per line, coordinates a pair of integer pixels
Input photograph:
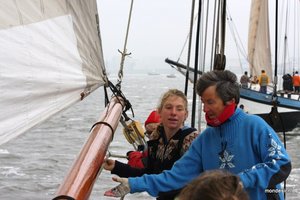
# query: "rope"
{"type": "Point", "coordinates": [133, 135]}
{"type": "Point", "coordinates": [237, 40]}
{"type": "Point", "coordinates": [105, 123]}
{"type": "Point", "coordinates": [124, 52]}
{"type": "Point", "coordinates": [63, 197]}
{"type": "Point", "coordinates": [118, 93]}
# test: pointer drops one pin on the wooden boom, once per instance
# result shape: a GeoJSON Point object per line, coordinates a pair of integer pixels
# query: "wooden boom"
{"type": "Point", "coordinates": [79, 182]}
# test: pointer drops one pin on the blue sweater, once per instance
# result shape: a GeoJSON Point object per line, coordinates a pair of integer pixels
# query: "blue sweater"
{"type": "Point", "coordinates": [245, 145]}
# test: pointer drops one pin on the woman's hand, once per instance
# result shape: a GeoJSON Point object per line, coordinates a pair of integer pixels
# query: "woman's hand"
{"type": "Point", "coordinates": [119, 191]}
{"type": "Point", "coordinates": [109, 164]}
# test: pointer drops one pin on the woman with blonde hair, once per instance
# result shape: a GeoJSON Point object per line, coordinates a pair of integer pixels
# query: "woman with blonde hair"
{"type": "Point", "coordinates": [168, 142]}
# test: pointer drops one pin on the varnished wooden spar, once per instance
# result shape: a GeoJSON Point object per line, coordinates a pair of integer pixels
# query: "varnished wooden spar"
{"type": "Point", "coordinates": [79, 182]}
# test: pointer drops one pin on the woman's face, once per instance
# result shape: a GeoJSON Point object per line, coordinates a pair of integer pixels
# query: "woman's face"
{"type": "Point", "coordinates": [173, 112]}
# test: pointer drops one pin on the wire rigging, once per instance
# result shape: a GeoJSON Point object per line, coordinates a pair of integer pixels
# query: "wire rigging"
{"type": "Point", "coordinates": [237, 40]}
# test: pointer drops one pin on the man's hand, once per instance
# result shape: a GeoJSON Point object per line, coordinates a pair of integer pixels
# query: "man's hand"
{"type": "Point", "coordinates": [119, 191]}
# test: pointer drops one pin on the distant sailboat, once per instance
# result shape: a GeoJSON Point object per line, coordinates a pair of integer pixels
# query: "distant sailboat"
{"type": "Point", "coordinates": [171, 76]}
{"type": "Point", "coordinates": [259, 57]}
{"type": "Point", "coordinates": [153, 73]}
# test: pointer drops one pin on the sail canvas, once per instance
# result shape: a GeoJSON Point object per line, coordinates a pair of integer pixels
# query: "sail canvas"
{"type": "Point", "coordinates": [51, 57]}
{"type": "Point", "coordinates": [259, 49]}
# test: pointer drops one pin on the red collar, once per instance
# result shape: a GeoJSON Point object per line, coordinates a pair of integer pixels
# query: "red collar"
{"type": "Point", "coordinates": [224, 116]}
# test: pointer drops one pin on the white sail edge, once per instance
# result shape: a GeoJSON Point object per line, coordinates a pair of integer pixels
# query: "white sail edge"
{"type": "Point", "coordinates": [50, 53]}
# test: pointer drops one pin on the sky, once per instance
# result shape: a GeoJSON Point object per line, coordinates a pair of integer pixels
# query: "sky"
{"type": "Point", "coordinates": [158, 30]}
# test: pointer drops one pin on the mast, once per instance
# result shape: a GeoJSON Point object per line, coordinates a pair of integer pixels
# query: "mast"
{"type": "Point", "coordinates": [193, 117]}
{"type": "Point", "coordinates": [189, 48]}
{"type": "Point", "coordinates": [285, 42]}
{"type": "Point", "coordinates": [276, 49]}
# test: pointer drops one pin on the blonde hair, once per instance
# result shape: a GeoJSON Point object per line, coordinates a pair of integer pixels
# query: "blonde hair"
{"type": "Point", "coordinates": [172, 92]}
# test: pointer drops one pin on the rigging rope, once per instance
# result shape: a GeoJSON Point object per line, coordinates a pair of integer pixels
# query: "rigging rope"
{"type": "Point", "coordinates": [124, 52]}
{"type": "Point", "coordinates": [132, 131]}
{"type": "Point", "coordinates": [118, 93]}
{"type": "Point", "coordinates": [238, 42]}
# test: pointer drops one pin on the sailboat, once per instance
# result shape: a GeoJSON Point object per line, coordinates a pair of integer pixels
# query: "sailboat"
{"type": "Point", "coordinates": [259, 58]}
{"type": "Point", "coordinates": [51, 58]}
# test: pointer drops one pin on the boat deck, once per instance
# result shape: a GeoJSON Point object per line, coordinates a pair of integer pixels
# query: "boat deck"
{"type": "Point", "coordinates": [289, 94]}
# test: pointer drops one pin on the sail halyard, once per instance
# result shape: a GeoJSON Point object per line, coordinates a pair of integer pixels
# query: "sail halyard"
{"type": "Point", "coordinates": [50, 55]}
{"type": "Point", "coordinates": [259, 49]}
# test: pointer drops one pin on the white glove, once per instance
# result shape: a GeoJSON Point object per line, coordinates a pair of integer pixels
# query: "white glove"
{"type": "Point", "coordinates": [119, 191]}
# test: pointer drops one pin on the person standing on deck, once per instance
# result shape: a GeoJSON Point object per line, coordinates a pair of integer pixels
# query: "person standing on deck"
{"type": "Point", "coordinates": [168, 142]}
{"type": "Point", "coordinates": [287, 83]}
{"type": "Point", "coordinates": [240, 143]}
{"type": "Point", "coordinates": [296, 82]}
{"type": "Point", "coordinates": [244, 80]}
{"type": "Point", "coordinates": [263, 81]}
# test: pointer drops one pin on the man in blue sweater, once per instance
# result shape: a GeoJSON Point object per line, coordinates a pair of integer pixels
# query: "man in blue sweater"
{"type": "Point", "coordinates": [234, 140]}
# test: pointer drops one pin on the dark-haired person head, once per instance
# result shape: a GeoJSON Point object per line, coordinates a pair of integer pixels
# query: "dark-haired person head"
{"type": "Point", "coordinates": [214, 185]}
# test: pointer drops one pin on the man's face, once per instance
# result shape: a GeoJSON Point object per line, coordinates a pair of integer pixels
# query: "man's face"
{"type": "Point", "coordinates": [212, 104]}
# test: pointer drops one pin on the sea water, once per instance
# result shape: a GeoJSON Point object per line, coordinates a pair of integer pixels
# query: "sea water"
{"type": "Point", "coordinates": [33, 165]}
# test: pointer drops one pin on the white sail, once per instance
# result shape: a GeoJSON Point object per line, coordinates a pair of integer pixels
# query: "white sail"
{"type": "Point", "coordinates": [259, 49]}
{"type": "Point", "coordinates": [50, 54]}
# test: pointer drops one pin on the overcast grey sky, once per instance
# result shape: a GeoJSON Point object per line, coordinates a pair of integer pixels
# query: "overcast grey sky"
{"type": "Point", "coordinates": [158, 30]}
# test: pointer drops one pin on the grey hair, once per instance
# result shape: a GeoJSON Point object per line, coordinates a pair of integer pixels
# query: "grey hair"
{"type": "Point", "coordinates": [227, 87]}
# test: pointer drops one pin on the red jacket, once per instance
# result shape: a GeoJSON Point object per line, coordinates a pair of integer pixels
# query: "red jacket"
{"type": "Point", "coordinates": [136, 158]}
{"type": "Point", "coordinates": [296, 80]}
